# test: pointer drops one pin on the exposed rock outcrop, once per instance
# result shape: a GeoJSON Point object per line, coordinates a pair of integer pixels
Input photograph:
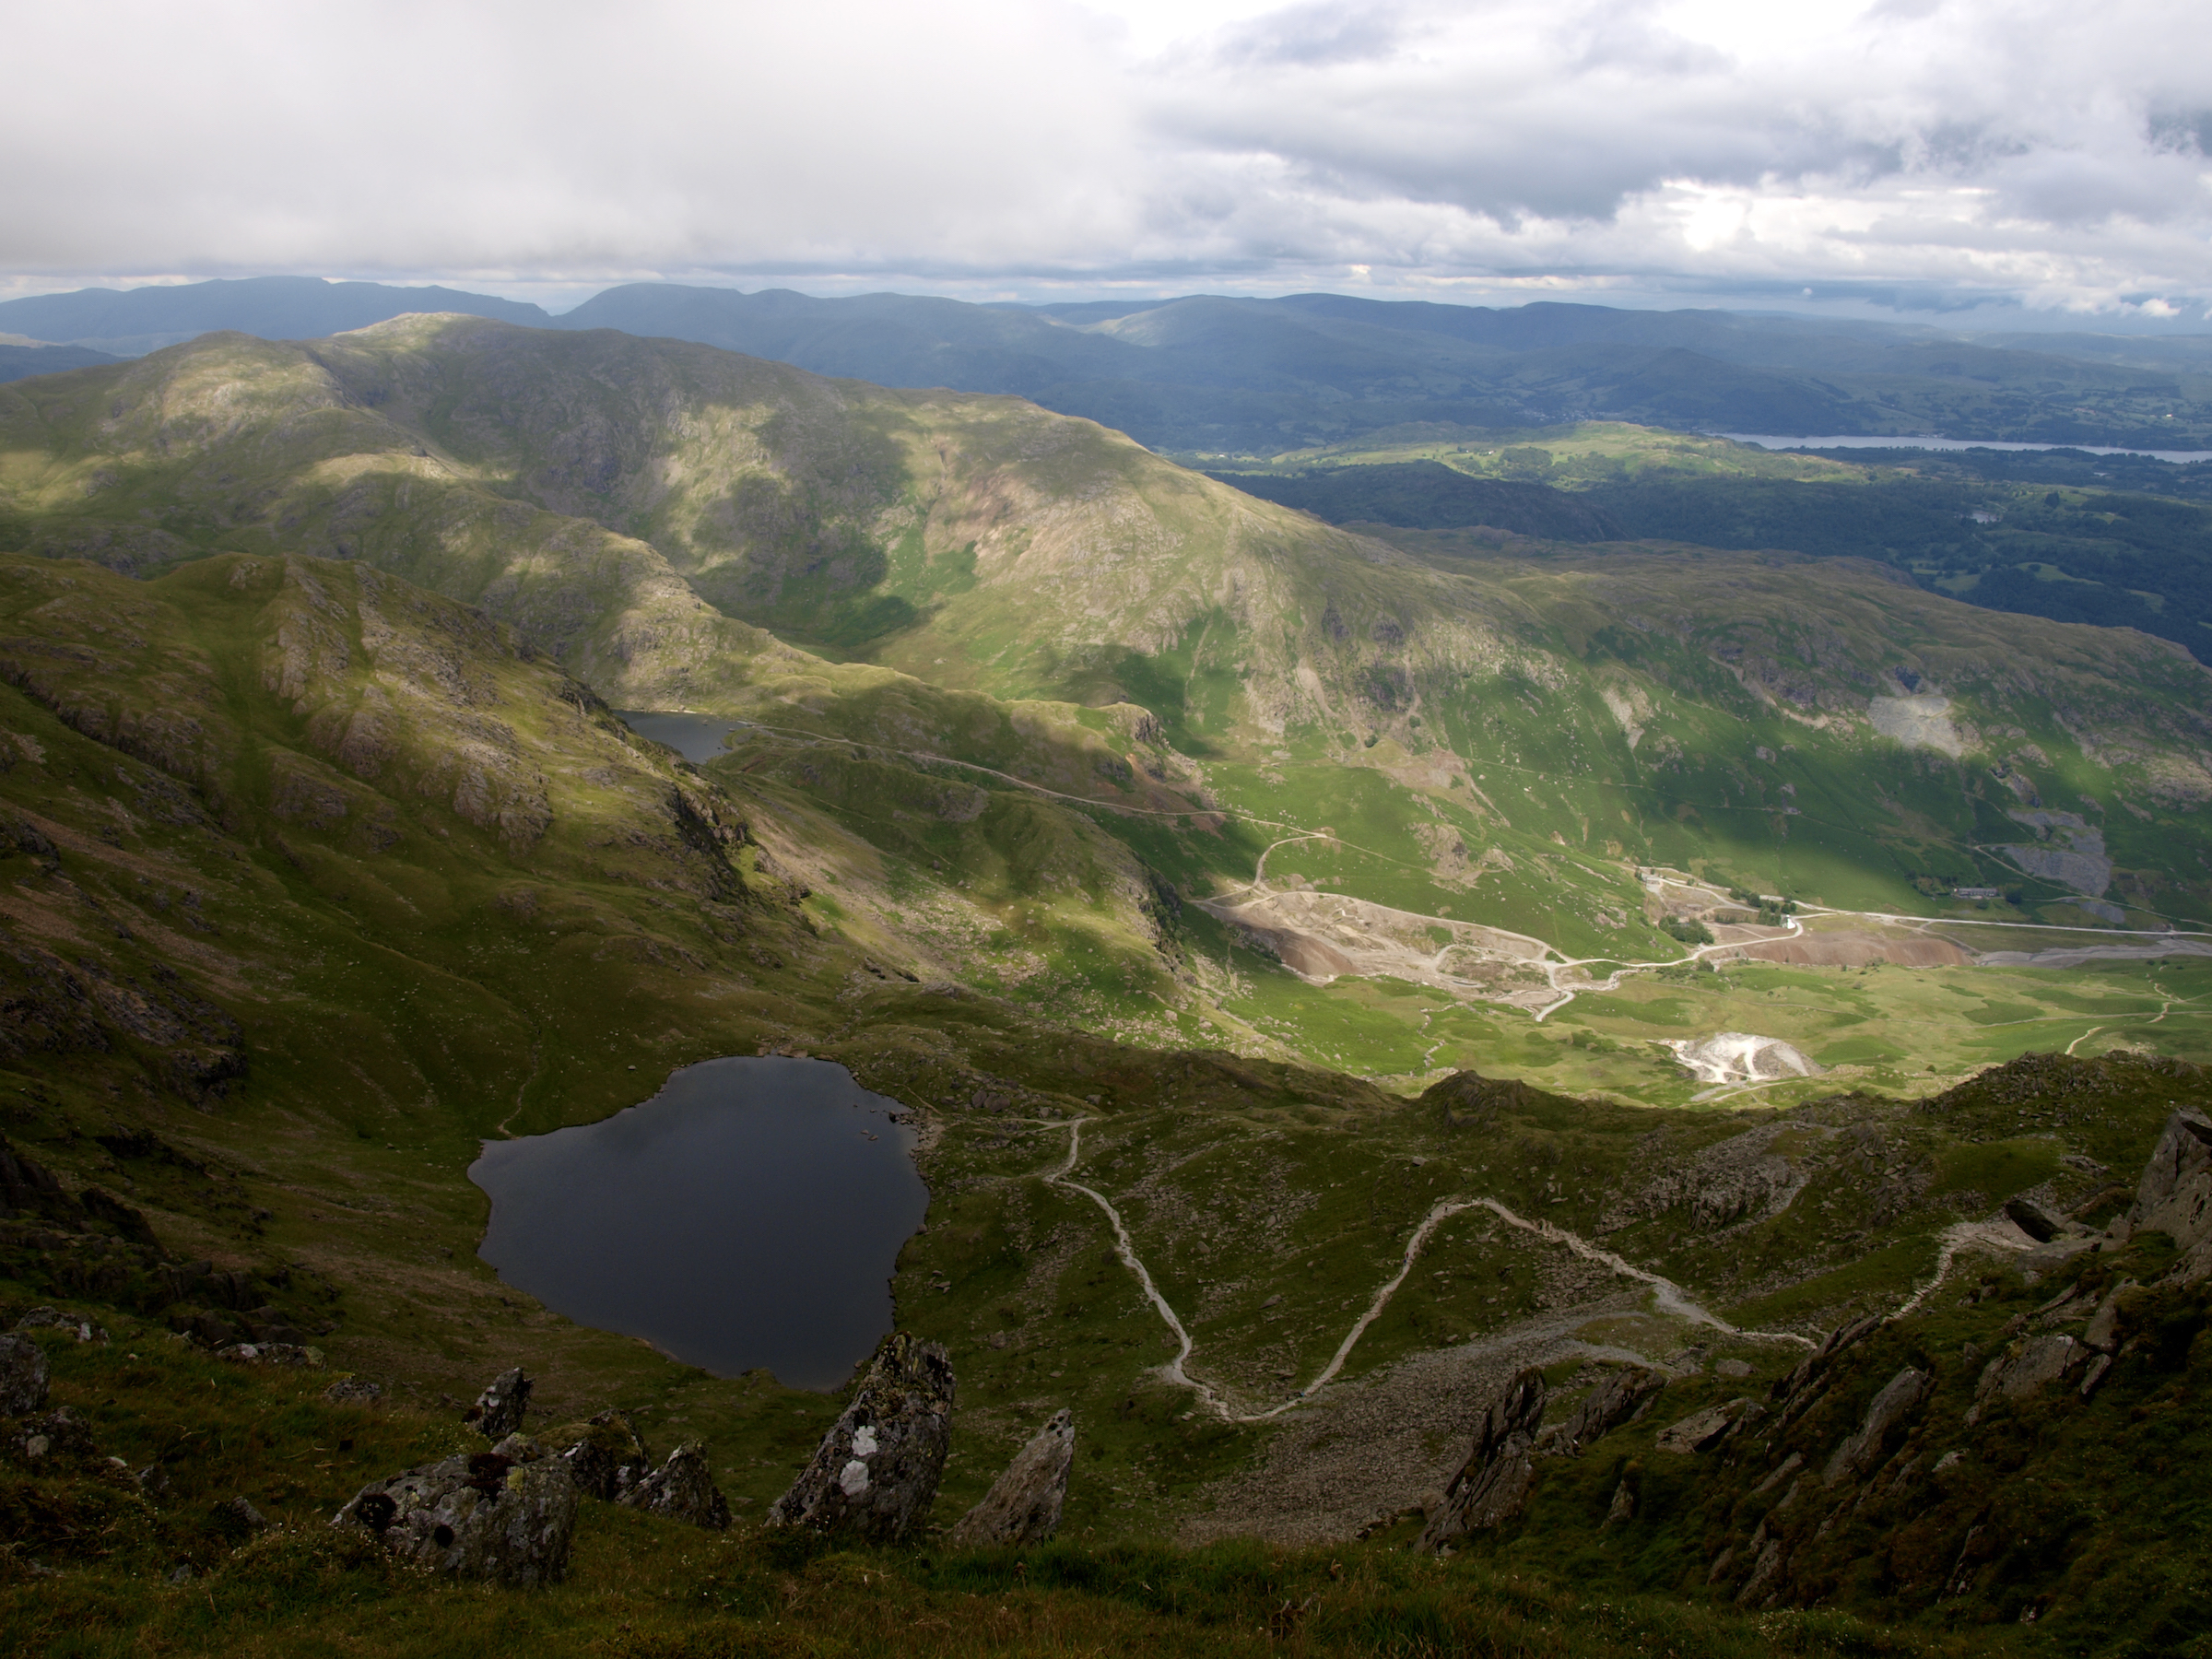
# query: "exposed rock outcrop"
{"type": "Point", "coordinates": [28, 1188]}
{"type": "Point", "coordinates": [1623, 1395]}
{"type": "Point", "coordinates": [2174, 1195]}
{"type": "Point", "coordinates": [682, 1488]}
{"type": "Point", "coordinates": [1808, 1379]}
{"type": "Point", "coordinates": [24, 1375]}
{"type": "Point", "coordinates": [500, 1409]}
{"type": "Point", "coordinates": [606, 1454]}
{"type": "Point", "coordinates": [475, 1517]}
{"type": "Point", "coordinates": [1623, 1509]}
{"type": "Point", "coordinates": [1702, 1430]}
{"type": "Point", "coordinates": [2025, 1368]}
{"type": "Point", "coordinates": [1899, 1398]}
{"type": "Point", "coordinates": [875, 1473]}
{"type": "Point", "coordinates": [1023, 1505]}
{"type": "Point", "coordinates": [1495, 1481]}
{"type": "Point", "coordinates": [1739, 1180]}
{"type": "Point", "coordinates": [1468, 1097]}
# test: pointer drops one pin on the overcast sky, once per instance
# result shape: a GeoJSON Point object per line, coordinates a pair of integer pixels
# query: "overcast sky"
{"type": "Point", "coordinates": [1909, 153]}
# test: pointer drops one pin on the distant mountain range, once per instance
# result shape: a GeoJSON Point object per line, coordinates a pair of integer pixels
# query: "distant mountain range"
{"type": "Point", "coordinates": [132, 322]}
{"type": "Point", "coordinates": [1215, 376]}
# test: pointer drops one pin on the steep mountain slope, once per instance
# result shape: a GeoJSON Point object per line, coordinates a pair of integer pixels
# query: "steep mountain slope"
{"type": "Point", "coordinates": [1479, 756]}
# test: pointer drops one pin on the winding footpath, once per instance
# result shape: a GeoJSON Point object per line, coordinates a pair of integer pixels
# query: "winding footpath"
{"type": "Point", "coordinates": [1668, 1297]}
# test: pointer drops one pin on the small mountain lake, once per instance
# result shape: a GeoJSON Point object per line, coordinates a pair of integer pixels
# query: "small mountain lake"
{"type": "Point", "coordinates": [750, 1214]}
{"type": "Point", "coordinates": [695, 737]}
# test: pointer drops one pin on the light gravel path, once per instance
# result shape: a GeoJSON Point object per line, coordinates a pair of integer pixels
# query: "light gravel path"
{"type": "Point", "coordinates": [1668, 1297]}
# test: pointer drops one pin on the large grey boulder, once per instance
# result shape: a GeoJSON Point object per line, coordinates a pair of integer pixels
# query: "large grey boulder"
{"type": "Point", "coordinates": [24, 1375]}
{"type": "Point", "coordinates": [682, 1488]}
{"type": "Point", "coordinates": [875, 1473]}
{"type": "Point", "coordinates": [474, 1517]}
{"type": "Point", "coordinates": [1495, 1481]}
{"type": "Point", "coordinates": [1624, 1395]}
{"type": "Point", "coordinates": [2174, 1195]}
{"type": "Point", "coordinates": [500, 1409]}
{"type": "Point", "coordinates": [1899, 1397]}
{"type": "Point", "coordinates": [1023, 1505]}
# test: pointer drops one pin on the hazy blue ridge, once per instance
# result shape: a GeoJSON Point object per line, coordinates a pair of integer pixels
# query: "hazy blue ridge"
{"type": "Point", "coordinates": [133, 321]}
{"type": "Point", "coordinates": [1210, 375]}
{"type": "Point", "coordinates": [20, 362]}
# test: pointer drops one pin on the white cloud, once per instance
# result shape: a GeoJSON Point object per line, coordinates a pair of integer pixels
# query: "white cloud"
{"type": "Point", "coordinates": [2018, 147]}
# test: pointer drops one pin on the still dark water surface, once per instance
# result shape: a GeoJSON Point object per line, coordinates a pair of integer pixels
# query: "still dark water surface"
{"type": "Point", "coordinates": [743, 1216]}
{"type": "Point", "coordinates": [695, 737]}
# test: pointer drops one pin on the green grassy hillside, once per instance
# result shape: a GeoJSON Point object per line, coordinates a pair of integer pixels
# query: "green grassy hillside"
{"type": "Point", "coordinates": [1042, 618]}
{"type": "Point", "coordinates": [318, 878]}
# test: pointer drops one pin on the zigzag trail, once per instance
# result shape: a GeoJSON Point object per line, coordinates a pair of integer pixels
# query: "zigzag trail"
{"type": "Point", "coordinates": [1670, 1296]}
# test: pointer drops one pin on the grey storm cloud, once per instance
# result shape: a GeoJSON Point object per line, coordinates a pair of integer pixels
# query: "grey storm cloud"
{"type": "Point", "coordinates": [2050, 151]}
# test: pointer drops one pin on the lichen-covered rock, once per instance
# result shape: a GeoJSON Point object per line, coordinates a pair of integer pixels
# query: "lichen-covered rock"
{"type": "Point", "coordinates": [2025, 1368]}
{"type": "Point", "coordinates": [1023, 1505]}
{"type": "Point", "coordinates": [2174, 1195]}
{"type": "Point", "coordinates": [1702, 1430]}
{"type": "Point", "coordinates": [606, 1454]}
{"type": "Point", "coordinates": [875, 1473]}
{"type": "Point", "coordinates": [474, 1517]}
{"type": "Point", "coordinates": [682, 1488]}
{"type": "Point", "coordinates": [500, 1409]}
{"type": "Point", "coordinates": [1494, 1482]}
{"type": "Point", "coordinates": [1899, 1397]}
{"type": "Point", "coordinates": [1623, 1509]}
{"type": "Point", "coordinates": [24, 1375]}
{"type": "Point", "coordinates": [2111, 1316]}
{"type": "Point", "coordinates": [353, 1391]}
{"type": "Point", "coordinates": [1623, 1395]}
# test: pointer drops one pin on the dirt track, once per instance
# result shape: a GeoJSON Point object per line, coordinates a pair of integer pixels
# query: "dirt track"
{"type": "Point", "coordinates": [1851, 950]}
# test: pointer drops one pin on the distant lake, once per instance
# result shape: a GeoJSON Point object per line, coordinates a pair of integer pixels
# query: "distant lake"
{"type": "Point", "coordinates": [750, 1214]}
{"type": "Point", "coordinates": [1767, 441]}
{"type": "Point", "coordinates": [694, 737]}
